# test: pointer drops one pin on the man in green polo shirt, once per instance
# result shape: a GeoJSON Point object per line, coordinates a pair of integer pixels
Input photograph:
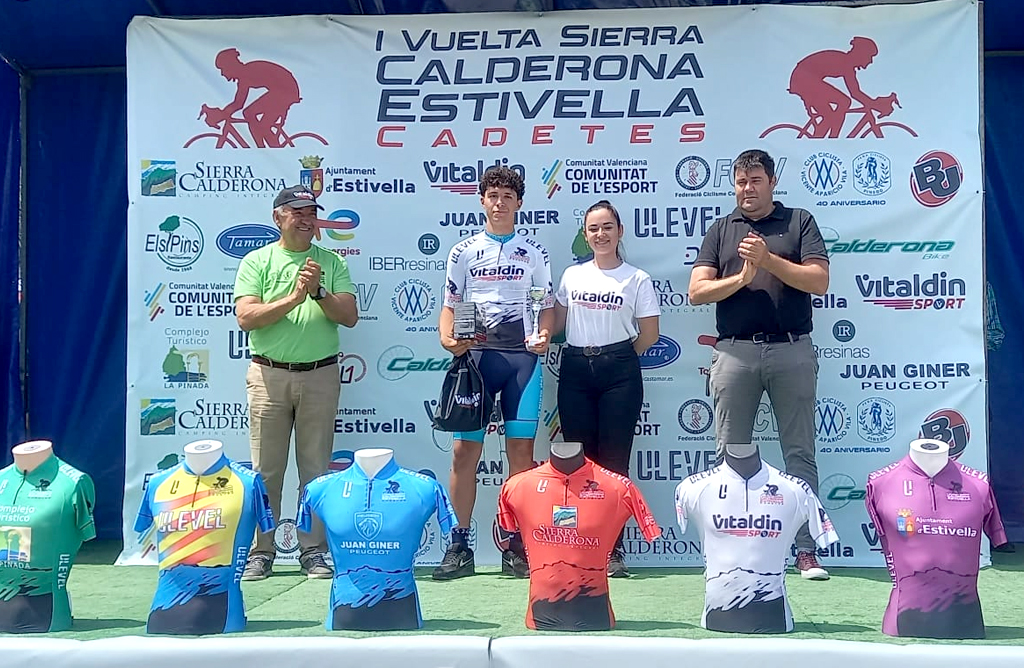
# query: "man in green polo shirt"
{"type": "Point", "coordinates": [291, 296]}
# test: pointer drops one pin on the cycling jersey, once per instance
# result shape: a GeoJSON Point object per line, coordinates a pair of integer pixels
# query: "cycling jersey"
{"type": "Point", "coordinates": [45, 515]}
{"type": "Point", "coordinates": [930, 531]}
{"type": "Point", "coordinates": [205, 526]}
{"type": "Point", "coordinates": [374, 528]}
{"type": "Point", "coordinates": [569, 525]}
{"type": "Point", "coordinates": [497, 276]}
{"type": "Point", "coordinates": [747, 528]}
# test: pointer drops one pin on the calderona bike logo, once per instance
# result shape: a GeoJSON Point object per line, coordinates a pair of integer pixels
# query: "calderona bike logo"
{"type": "Point", "coordinates": [264, 116]}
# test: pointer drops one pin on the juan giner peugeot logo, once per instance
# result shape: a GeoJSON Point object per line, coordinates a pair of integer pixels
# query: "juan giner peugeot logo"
{"type": "Point", "coordinates": [662, 353]}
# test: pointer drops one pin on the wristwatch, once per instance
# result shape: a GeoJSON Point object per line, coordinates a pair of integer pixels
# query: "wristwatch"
{"type": "Point", "coordinates": [321, 293]}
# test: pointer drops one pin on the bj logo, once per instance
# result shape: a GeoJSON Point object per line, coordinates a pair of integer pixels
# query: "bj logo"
{"type": "Point", "coordinates": [935, 178]}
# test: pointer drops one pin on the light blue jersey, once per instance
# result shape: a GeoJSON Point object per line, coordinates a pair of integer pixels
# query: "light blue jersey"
{"type": "Point", "coordinates": [373, 529]}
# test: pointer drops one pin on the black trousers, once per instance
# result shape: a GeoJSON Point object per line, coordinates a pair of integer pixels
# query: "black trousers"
{"type": "Point", "coordinates": [599, 402]}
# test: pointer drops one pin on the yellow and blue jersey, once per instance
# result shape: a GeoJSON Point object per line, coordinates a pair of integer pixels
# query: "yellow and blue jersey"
{"type": "Point", "coordinates": [373, 529]}
{"type": "Point", "coordinates": [204, 528]}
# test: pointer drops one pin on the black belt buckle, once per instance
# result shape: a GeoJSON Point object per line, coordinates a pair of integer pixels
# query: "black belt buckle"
{"type": "Point", "coordinates": [591, 351]}
{"type": "Point", "coordinates": [301, 366]}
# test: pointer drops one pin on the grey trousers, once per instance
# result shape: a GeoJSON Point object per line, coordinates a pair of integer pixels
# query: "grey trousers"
{"type": "Point", "coordinates": [741, 371]}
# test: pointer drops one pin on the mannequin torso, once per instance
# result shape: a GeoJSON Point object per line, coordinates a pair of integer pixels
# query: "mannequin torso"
{"type": "Point", "coordinates": [930, 455]}
{"type": "Point", "coordinates": [567, 457]}
{"type": "Point", "coordinates": [28, 456]}
{"type": "Point", "coordinates": [201, 455]}
{"type": "Point", "coordinates": [372, 460]}
{"type": "Point", "coordinates": [743, 458]}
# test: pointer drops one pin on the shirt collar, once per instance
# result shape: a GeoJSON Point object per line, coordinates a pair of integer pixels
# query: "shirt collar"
{"type": "Point", "coordinates": [737, 215]}
{"type": "Point", "coordinates": [946, 472]}
{"type": "Point", "coordinates": [757, 480]}
{"type": "Point", "coordinates": [46, 471]}
{"type": "Point", "coordinates": [218, 465]}
{"type": "Point", "coordinates": [547, 469]}
{"type": "Point", "coordinates": [387, 471]}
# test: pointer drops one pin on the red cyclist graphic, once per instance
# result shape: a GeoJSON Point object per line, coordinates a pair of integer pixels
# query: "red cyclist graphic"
{"type": "Point", "coordinates": [827, 106]}
{"type": "Point", "coordinates": [265, 116]}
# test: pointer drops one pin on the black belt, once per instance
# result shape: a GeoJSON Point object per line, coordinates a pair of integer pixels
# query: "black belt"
{"type": "Point", "coordinates": [594, 351]}
{"type": "Point", "coordinates": [761, 337]}
{"type": "Point", "coordinates": [295, 366]}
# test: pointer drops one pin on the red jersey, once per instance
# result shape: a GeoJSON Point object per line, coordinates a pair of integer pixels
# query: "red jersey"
{"type": "Point", "coordinates": [569, 525]}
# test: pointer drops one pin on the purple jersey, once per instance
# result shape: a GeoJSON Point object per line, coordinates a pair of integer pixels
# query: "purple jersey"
{"type": "Point", "coordinates": [930, 530]}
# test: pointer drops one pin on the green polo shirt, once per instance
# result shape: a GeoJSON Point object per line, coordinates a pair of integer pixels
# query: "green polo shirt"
{"type": "Point", "coordinates": [304, 334]}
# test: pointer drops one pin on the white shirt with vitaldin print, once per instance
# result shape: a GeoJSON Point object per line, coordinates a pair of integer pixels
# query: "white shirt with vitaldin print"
{"type": "Point", "coordinates": [604, 304]}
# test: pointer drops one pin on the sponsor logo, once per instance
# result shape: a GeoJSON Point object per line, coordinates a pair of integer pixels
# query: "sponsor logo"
{"type": "Point", "coordinates": [151, 298]}
{"type": "Point", "coordinates": [365, 292]}
{"type": "Point", "coordinates": [241, 239]}
{"type": "Point", "coordinates": [591, 490]}
{"type": "Point", "coordinates": [311, 175]}
{"type": "Point", "coordinates": [565, 516]}
{"type": "Point", "coordinates": [368, 523]}
{"type": "Point", "coordinates": [550, 178]}
{"type": "Point", "coordinates": [694, 174]}
{"type": "Point", "coordinates": [950, 426]}
{"type": "Point", "coordinates": [553, 423]}
{"type": "Point", "coordinates": [876, 420]}
{"type": "Point", "coordinates": [838, 490]}
{"type": "Point", "coordinates": [403, 264]}
{"type": "Point", "coordinates": [365, 181]}
{"type": "Point", "coordinates": [393, 492]}
{"type": "Point", "coordinates": [366, 421]}
{"type": "Point", "coordinates": [957, 492]}
{"type": "Point", "coordinates": [751, 526]}
{"type": "Point", "coordinates": [674, 222]}
{"type": "Point", "coordinates": [917, 376]}
{"type": "Point", "coordinates": [936, 292]}
{"type": "Point", "coordinates": [553, 358]}
{"type": "Point", "coordinates": [178, 243]}
{"type": "Point", "coordinates": [501, 537]}
{"type": "Point", "coordinates": [344, 220]}
{"type": "Point", "coordinates": [770, 496]}
{"type": "Point", "coordinates": [665, 351]}
{"type": "Point", "coordinates": [159, 178]}
{"type": "Point", "coordinates": [695, 416]}
{"type": "Point", "coordinates": [157, 417]}
{"type": "Point", "coordinates": [935, 178]}
{"type": "Point", "coordinates": [831, 420]}
{"type": "Point", "coordinates": [926, 249]}
{"type": "Point", "coordinates": [844, 331]}
{"type": "Point", "coordinates": [597, 176]}
{"type": "Point", "coordinates": [463, 179]}
{"type": "Point", "coordinates": [526, 221]}
{"type": "Point", "coordinates": [905, 522]}
{"type": "Point", "coordinates": [428, 244]}
{"type": "Point", "coordinates": [824, 174]}
{"type": "Point", "coordinates": [264, 127]}
{"type": "Point", "coordinates": [675, 465]}
{"type": "Point", "coordinates": [872, 173]}
{"type": "Point", "coordinates": [352, 368]}
{"type": "Point", "coordinates": [397, 362]}
{"type": "Point", "coordinates": [186, 369]}
{"type": "Point", "coordinates": [286, 537]}
{"type": "Point", "coordinates": [413, 300]}
{"type": "Point", "coordinates": [201, 300]}
{"type": "Point", "coordinates": [207, 180]}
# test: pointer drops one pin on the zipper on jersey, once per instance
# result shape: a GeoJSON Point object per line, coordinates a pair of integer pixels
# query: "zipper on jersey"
{"type": "Point", "coordinates": [369, 492]}
{"type": "Point", "coordinates": [194, 492]}
{"type": "Point", "coordinates": [746, 494]}
{"type": "Point", "coordinates": [931, 486]}
{"type": "Point", "coordinates": [24, 477]}
{"type": "Point", "coordinates": [566, 501]}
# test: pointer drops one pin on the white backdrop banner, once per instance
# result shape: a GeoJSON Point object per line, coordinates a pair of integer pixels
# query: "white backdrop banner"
{"type": "Point", "coordinates": [872, 117]}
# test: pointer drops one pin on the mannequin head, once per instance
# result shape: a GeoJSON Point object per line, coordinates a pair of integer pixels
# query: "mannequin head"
{"type": "Point", "coordinates": [930, 455]}
{"type": "Point", "coordinates": [28, 456]}
{"type": "Point", "coordinates": [372, 460]}
{"type": "Point", "coordinates": [567, 457]}
{"type": "Point", "coordinates": [200, 456]}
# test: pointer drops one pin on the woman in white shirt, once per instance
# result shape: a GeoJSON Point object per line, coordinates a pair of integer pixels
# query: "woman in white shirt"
{"type": "Point", "coordinates": [609, 311]}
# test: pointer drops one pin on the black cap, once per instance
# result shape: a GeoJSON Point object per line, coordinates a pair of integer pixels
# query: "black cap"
{"type": "Point", "coordinates": [296, 197]}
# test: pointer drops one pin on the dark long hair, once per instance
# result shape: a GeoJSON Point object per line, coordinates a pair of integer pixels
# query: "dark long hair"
{"type": "Point", "coordinates": [605, 204]}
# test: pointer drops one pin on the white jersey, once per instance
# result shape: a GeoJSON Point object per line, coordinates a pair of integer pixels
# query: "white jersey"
{"type": "Point", "coordinates": [747, 528]}
{"type": "Point", "coordinates": [603, 305]}
{"type": "Point", "coordinates": [497, 277]}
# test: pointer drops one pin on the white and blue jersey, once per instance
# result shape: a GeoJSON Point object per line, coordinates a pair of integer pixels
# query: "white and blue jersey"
{"type": "Point", "coordinates": [373, 529]}
{"type": "Point", "coordinates": [497, 277]}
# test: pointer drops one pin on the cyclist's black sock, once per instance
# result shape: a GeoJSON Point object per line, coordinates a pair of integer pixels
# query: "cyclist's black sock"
{"type": "Point", "coordinates": [460, 536]}
{"type": "Point", "coordinates": [515, 543]}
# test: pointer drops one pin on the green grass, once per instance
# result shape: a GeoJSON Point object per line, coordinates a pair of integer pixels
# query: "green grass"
{"type": "Point", "coordinates": [114, 600]}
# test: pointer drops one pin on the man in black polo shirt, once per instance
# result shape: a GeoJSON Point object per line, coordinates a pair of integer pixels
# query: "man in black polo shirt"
{"type": "Point", "coordinates": [759, 265]}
